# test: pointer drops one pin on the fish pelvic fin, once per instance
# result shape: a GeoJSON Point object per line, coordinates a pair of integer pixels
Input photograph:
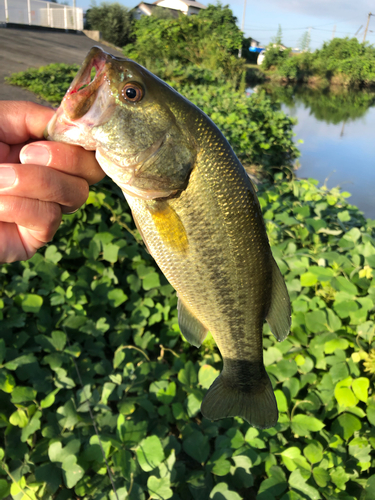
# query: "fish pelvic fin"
{"type": "Point", "coordinates": [191, 328]}
{"type": "Point", "coordinates": [257, 406]}
{"type": "Point", "coordinates": [279, 313]}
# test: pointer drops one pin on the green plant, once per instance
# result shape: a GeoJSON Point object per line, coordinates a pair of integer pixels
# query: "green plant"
{"type": "Point", "coordinates": [49, 82]}
{"type": "Point", "coordinates": [342, 61]}
{"type": "Point", "coordinates": [210, 40]}
{"type": "Point", "coordinates": [94, 303]}
{"type": "Point", "coordinates": [113, 20]}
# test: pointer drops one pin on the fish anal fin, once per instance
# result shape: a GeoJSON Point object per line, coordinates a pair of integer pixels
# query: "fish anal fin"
{"type": "Point", "coordinates": [191, 328]}
{"type": "Point", "coordinates": [256, 405]}
{"type": "Point", "coordinates": [279, 313]}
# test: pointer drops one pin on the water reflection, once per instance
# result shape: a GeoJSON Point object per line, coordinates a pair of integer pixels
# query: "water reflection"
{"type": "Point", "coordinates": [338, 130]}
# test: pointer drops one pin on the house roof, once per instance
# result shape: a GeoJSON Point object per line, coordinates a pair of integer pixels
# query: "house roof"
{"type": "Point", "coordinates": [189, 3]}
{"type": "Point", "coordinates": [149, 7]}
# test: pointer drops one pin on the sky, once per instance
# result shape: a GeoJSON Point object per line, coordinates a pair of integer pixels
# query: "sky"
{"type": "Point", "coordinates": [295, 17]}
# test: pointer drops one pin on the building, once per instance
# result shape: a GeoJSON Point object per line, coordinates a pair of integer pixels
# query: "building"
{"type": "Point", "coordinates": [176, 7]}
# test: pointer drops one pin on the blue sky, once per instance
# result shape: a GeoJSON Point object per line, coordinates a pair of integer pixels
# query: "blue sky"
{"type": "Point", "coordinates": [295, 17]}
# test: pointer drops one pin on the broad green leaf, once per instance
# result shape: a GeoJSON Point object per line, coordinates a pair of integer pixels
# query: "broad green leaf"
{"type": "Point", "coordinates": [298, 483]}
{"type": "Point", "coordinates": [150, 453]}
{"type": "Point", "coordinates": [116, 297]}
{"type": "Point", "coordinates": [313, 452]}
{"type": "Point", "coordinates": [52, 254]}
{"type": "Point", "coordinates": [343, 393]}
{"type": "Point", "coordinates": [71, 471]}
{"type": "Point", "coordinates": [49, 474]}
{"type": "Point", "coordinates": [222, 492]}
{"type": "Point", "coordinates": [23, 394]}
{"type": "Point", "coordinates": [196, 445]}
{"type": "Point", "coordinates": [33, 425]}
{"type": "Point", "coordinates": [342, 284]}
{"type": "Point", "coordinates": [346, 425]}
{"type": "Point", "coordinates": [321, 476]}
{"type": "Point", "coordinates": [282, 403]}
{"type": "Point", "coordinates": [332, 345]}
{"type": "Point", "coordinates": [159, 488]}
{"type": "Point", "coordinates": [369, 489]}
{"type": "Point", "coordinates": [150, 281]}
{"type": "Point", "coordinates": [131, 433]}
{"type": "Point", "coordinates": [32, 303]}
{"type": "Point", "coordinates": [110, 252]}
{"type": "Point", "coordinates": [218, 462]}
{"type": "Point", "coordinates": [188, 376]}
{"type": "Point", "coordinates": [339, 477]}
{"type": "Point", "coordinates": [274, 485]}
{"type": "Point", "coordinates": [58, 453]}
{"type": "Point", "coordinates": [206, 375]}
{"type": "Point", "coordinates": [49, 400]}
{"type": "Point", "coordinates": [4, 488]}
{"type": "Point", "coordinates": [304, 424]}
{"type": "Point", "coordinates": [360, 388]}
{"type": "Point", "coordinates": [316, 321]}
{"type": "Point", "coordinates": [19, 418]}
{"type": "Point", "coordinates": [309, 279]}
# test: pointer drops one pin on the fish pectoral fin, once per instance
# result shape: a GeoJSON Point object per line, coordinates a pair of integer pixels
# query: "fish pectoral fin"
{"type": "Point", "coordinates": [279, 313]}
{"type": "Point", "coordinates": [191, 328]}
{"type": "Point", "coordinates": [257, 406]}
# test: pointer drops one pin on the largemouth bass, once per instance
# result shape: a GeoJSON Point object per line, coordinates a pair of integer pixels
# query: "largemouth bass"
{"type": "Point", "coordinates": [198, 214]}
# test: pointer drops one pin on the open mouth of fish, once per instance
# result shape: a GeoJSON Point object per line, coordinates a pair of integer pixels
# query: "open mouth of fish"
{"type": "Point", "coordinates": [77, 112]}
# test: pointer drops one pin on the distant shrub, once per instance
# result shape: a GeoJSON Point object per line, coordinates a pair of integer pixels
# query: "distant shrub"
{"type": "Point", "coordinates": [113, 20]}
{"type": "Point", "coordinates": [341, 61]}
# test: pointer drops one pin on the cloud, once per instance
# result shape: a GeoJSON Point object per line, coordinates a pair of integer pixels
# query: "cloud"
{"type": "Point", "coordinates": [335, 10]}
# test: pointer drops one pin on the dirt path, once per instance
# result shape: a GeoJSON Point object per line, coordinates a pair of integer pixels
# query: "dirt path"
{"type": "Point", "coordinates": [21, 49]}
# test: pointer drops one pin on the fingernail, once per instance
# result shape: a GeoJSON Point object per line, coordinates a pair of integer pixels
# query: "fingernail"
{"type": "Point", "coordinates": [39, 155]}
{"type": "Point", "coordinates": [7, 177]}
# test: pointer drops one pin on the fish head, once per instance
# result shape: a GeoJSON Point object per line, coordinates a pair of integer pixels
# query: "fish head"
{"type": "Point", "coordinates": [133, 120]}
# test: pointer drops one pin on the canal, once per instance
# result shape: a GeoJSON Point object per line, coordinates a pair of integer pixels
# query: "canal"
{"type": "Point", "coordinates": [338, 133]}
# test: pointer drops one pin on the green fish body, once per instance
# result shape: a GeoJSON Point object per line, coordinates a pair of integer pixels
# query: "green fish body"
{"type": "Point", "coordinates": [198, 214]}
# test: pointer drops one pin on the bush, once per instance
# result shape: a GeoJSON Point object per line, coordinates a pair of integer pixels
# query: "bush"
{"type": "Point", "coordinates": [275, 56]}
{"type": "Point", "coordinates": [210, 40]}
{"type": "Point", "coordinates": [113, 20]}
{"type": "Point", "coordinates": [341, 61]}
{"type": "Point", "coordinates": [94, 303]}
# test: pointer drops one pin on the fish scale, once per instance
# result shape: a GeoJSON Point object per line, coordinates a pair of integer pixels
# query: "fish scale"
{"type": "Point", "coordinates": [198, 214]}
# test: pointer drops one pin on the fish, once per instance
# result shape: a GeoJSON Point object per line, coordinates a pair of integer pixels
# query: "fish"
{"type": "Point", "coordinates": [198, 214]}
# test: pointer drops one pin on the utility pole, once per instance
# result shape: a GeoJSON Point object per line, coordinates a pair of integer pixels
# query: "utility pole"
{"type": "Point", "coordinates": [242, 26]}
{"type": "Point", "coordinates": [333, 32]}
{"type": "Point", "coordinates": [368, 22]}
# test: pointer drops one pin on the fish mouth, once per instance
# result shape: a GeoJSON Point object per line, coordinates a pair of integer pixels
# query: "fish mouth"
{"type": "Point", "coordinates": [83, 90]}
{"type": "Point", "coordinates": [88, 102]}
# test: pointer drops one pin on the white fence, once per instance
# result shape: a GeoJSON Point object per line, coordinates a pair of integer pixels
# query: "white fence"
{"type": "Point", "coordinates": [39, 13]}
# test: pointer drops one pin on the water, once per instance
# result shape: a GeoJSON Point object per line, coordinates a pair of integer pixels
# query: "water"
{"type": "Point", "coordinates": [338, 131]}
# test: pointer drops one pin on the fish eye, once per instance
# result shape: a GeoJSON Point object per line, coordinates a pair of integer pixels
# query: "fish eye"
{"type": "Point", "coordinates": [132, 92]}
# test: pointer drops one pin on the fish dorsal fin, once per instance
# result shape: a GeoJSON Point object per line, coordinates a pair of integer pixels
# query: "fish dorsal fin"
{"type": "Point", "coordinates": [191, 328]}
{"type": "Point", "coordinates": [279, 313]}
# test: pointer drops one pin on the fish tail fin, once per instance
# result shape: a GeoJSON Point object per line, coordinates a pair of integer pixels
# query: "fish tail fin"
{"type": "Point", "coordinates": [256, 405]}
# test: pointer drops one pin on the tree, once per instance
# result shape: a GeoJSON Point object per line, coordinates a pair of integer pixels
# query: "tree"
{"type": "Point", "coordinates": [278, 40]}
{"type": "Point", "coordinates": [113, 20]}
{"type": "Point", "coordinates": [305, 41]}
{"type": "Point", "coordinates": [209, 38]}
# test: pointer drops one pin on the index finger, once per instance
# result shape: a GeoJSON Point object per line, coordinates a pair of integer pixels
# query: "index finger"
{"type": "Point", "coordinates": [22, 120]}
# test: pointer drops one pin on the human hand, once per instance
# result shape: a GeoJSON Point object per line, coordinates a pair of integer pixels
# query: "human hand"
{"type": "Point", "coordinates": [39, 180]}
